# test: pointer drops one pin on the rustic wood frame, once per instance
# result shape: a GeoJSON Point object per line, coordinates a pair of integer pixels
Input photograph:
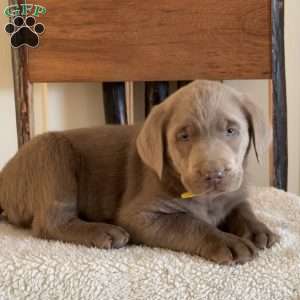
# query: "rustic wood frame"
{"type": "Point", "coordinates": [114, 102]}
{"type": "Point", "coordinates": [23, 96]}
{"type": "Point", "coordinates": [280, 142]}
{"type": "Point", "coordinates": [22, 91]}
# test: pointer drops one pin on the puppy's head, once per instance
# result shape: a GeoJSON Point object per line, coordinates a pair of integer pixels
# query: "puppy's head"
{"type": "Point", "coordinates": [205, 131]}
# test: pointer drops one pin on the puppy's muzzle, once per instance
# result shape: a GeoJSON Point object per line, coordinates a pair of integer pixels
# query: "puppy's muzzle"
{"type": "Point", "coordinates": [214, 175]}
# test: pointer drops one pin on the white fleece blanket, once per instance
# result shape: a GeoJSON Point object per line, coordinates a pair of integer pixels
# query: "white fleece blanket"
{"type": "Point", "coordinates": [35, 269]}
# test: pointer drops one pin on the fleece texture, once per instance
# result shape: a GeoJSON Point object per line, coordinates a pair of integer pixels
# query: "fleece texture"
{"type": "Point", "coordinates": [37, 269]}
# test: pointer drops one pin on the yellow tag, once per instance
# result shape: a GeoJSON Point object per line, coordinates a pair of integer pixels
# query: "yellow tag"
{"type": "Point", "coordinates": [187, 195]}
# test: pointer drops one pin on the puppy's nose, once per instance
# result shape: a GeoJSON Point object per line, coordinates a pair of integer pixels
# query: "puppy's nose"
{"type": "Point", "coordinates": [215, 176]}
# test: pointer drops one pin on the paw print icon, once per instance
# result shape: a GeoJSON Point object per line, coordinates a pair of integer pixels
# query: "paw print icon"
{"type": "Point", "coordinates": [24, 31]}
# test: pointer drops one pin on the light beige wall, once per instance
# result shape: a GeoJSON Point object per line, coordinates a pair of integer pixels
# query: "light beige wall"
{"type": "Point", "coordinates": [64, 106]}
{"type": "Point", "coordinates": [292, 43]}
{"type": "Point", "coordinates": [74, 105]}
{"type": "Point", "coordinates": [8, 137]}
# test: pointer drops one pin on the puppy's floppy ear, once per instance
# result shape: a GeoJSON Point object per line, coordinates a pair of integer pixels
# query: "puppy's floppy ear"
{"type": "Point", "coordinates": [150, 141]}
{"type": "Point", "coordinates": [259, 129]}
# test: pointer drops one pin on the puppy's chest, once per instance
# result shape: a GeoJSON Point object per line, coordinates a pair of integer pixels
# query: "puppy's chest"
{"type": "Point", "coordinates": [211, 212]}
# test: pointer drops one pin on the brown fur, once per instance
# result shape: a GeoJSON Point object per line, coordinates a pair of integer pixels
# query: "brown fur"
{"type": "Point", "coordinates": [96, 186]}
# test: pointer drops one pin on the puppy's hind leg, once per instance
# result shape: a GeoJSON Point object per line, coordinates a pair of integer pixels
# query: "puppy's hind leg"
{"type": "Point", "coordinates": [62, 223]}
{"type": "Point", "coordinates": [56, 216]}
{"type": "Point", "coordinates": [57, 219]}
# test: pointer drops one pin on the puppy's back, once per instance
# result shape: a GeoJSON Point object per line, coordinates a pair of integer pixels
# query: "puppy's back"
{"type": "Point", "coordinates": [50, 159]}
{"type": "Point", "coordinates": [28, 176]}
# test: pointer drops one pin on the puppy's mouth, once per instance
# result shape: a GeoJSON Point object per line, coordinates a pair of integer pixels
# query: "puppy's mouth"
{"type": "Point", "coordinates": [206, 194]}
{"type": "Point", "coordinates": [204, 190]}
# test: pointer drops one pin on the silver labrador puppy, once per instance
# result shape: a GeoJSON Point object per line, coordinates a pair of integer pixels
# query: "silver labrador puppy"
{"type": "Point", "coordinates": [103, 186]}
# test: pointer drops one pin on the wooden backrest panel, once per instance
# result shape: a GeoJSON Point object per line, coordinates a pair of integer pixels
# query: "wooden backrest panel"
{"type": "Point", "coordinates": [112, 40]}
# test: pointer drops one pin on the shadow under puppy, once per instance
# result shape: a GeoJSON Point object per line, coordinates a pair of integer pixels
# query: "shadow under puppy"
{"type": "Point", "coordinates": [100, 186]}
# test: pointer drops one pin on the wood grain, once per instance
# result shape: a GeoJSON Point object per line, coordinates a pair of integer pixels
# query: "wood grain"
{"type": "Point", "coordinates": [23, 95]}
{"type": "Point", "coordinates": [22, 91]}
{"type": "Point", "coordinates": [153, 40]}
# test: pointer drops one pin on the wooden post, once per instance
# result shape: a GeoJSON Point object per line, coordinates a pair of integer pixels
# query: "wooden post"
{"type": "Point", "coordinates": [129, 91]}
{"type": "Point", "coordinates": [280, 143]}
{"type": "Point", "coordinates": [114, 102]}
{"type": "Point", "coordinates": [155, 93]}
{"type": "Point", "coordinates": [23, 93]}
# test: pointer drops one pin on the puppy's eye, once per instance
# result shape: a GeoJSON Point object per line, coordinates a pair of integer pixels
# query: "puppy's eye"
{"type": "Point", "coordinates": [231, 131]}
{"type": "Point", "coordinates": [183, 136]}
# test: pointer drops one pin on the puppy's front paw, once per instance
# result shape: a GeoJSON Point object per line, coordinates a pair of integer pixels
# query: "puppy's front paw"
{"type": "Point", "coordinates": [261, 236]}
{"type": "Point", "coordinates": [109, 236]}
{"type": "Point", "coordinates": [228, 248]}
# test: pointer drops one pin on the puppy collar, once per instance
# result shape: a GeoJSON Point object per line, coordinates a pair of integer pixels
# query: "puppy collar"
{"type": "Point", "coordinates": [187, 195]}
